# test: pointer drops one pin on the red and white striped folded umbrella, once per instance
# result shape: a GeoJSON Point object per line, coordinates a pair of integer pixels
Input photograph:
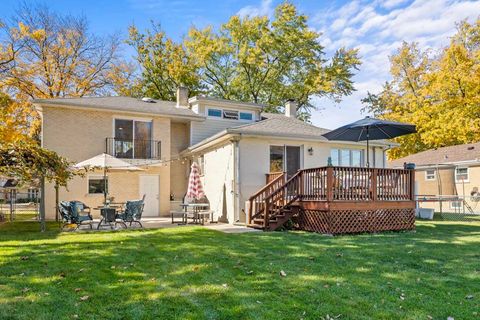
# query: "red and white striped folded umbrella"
{"type": "Point", "coordinates": [195, 188]}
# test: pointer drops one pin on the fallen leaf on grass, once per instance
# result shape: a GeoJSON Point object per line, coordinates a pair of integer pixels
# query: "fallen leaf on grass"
{"type": "Point", "coordinates": [469, 297]}
{"type": "Point", "coordinates": [24, 257]}
{"type": "Point", "coordinates": [283, 273]}
{"type": "Point", "coordinates": [339, 254]}
{"type": "Point", "coordinates": [78, 289]}
{"type": "Point", "coordinates": [84, 298]}
{"type": "Point", "coordinates": [24, 290]}
{"type": "Point", "coordinates": [250, 272]}
{"type": "Point", "coordinates": [62, 275]}
{"type": "Point", "coordinates": [225, 285]}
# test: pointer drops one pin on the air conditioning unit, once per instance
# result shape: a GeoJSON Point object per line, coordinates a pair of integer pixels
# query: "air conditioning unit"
{"type": "Point", "coordinates": [424, 213]}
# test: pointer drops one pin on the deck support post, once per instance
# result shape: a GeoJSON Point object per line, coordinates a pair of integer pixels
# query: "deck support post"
{"type": "Point", "coordinates": [330, 184]}
{"type": "Point", "coordinates": [374, 184]}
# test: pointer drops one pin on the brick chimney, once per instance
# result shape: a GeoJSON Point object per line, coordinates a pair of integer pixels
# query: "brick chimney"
{"type": "Point", "coordinates": [182, 97]}
{"type": "Point", "coordinates": [291, 108]}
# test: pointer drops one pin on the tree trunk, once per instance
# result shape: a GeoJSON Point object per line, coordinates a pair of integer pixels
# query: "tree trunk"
{"type": "Point", "coordinates": [42, 204]}
{"type": "Point", "coordinates": [56, 202]}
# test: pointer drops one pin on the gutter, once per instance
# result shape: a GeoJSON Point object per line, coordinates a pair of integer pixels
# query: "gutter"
{"type": "Point", "coordinates": [39, 104]}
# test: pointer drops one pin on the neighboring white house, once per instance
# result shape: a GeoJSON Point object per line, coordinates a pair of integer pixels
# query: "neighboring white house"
{"type": "Point", "coordinates": [235, 144]}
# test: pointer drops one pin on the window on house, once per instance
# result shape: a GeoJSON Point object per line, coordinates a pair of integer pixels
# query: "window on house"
{"type": "Point", "coordinates": [96, 185]}
{"type": "Point", "coordinates": [430, 175]}
{"type": "Point", "coordinates": [32, 193]}
{"type": "Point", "coordinates": [461, 174]}
{"type": "Point", "coordinates": [215, 113]}
{"type": "Point", "coordinates": [346, 157]}
{"type": "Point", "coordinates": [276, 158]}
{"type": "Point", "coordinates": [133, 139]}
{"type": "Point", "coordinates": [356, 158]}
{"type": "Point", "coordinates": [455, 204]}
{"type": "Point", "coordinates": [246, 116]}
{"type": "Point", "coordinates": [334, 157]}
{"type": "Point", "coordinates": [231, 115]}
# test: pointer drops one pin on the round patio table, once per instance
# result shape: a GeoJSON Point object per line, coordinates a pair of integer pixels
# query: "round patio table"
{"type": "Point", "coordinates": [108, 214]}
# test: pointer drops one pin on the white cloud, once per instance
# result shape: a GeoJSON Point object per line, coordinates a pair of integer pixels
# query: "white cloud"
{"type": "Point", "coordinates": [265, 9]}
{"type": "Point", "coordinates": [377, 29]}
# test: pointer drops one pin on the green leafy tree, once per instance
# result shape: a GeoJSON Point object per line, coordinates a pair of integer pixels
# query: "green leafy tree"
{"type": "Point", "coordinates": [165, 65]}
{"type": "Point", "coordinates": [440, 93]}
{"type": "Point", "coordinates": [252, 59]}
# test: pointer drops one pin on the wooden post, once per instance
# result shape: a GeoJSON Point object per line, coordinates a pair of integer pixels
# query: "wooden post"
{"type": "Point", "coordinates": [250, 209]}
{"type": "Point", "coordinates": [329, 184]}
{"type": "Point", "coordinates": [56, 201]}
{"type": "Point", "coordinates": [412, 185]}
{"type": "Point", "coordinates": [266, 213]}
{"type": "Point", "coordinates": [374, 184]}
{"type": "Point", "coordinates": [42, 204]}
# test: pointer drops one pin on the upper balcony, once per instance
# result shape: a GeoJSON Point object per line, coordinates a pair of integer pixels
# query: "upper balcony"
{"type": "Point", "coordinates": [133, 148]}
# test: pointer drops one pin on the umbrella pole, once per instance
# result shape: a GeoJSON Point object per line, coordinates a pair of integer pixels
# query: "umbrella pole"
{"type": "Point", "coordinates": [104, 185]}
{"type": "Point", "coordinates": [368, 158]}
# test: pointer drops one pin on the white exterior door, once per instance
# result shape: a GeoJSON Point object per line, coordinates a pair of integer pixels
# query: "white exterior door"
{"type": "Point", "coordinates": [150, 187]}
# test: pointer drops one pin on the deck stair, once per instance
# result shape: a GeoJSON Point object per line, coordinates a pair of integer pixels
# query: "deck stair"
{"type": "Point", "coordinates": [274, 204]}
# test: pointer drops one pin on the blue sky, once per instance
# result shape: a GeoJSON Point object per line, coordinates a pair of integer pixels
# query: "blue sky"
{"type": "Point", "coordinates": [376, 27]}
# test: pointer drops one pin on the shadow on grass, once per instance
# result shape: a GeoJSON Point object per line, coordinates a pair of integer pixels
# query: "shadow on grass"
{"type": "Point", "coordinates": [195, 273]}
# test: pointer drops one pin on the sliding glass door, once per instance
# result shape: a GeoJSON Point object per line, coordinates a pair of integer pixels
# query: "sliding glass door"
{"type": "Point", "coordinates": [285, 159]}
{"type": "Point", "coordinates": [133, 139]}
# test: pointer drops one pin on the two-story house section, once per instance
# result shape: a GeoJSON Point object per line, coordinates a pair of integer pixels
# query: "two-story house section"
{"type": "Point", "coordinates": [236, 145]}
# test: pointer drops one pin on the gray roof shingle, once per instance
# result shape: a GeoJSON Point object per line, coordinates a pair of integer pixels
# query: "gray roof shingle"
{"type": "Point", "coordinates": [445, 155]}
{"type": "Point", "coordinates": [280, 125]}
{"type": "Point", "coordinates": [127, 104]}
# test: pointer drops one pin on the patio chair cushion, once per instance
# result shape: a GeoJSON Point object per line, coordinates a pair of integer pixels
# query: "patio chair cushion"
{"type": "Point", "coordinates": [64, 210]}
{"type": "Point", "coordinates": [76, 207]}
{"type": "Point", "coordinates": [133, 211]}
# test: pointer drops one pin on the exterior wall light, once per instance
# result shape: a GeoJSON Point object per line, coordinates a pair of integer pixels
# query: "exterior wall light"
{"type": "Point", "coordinates": [310, 151]}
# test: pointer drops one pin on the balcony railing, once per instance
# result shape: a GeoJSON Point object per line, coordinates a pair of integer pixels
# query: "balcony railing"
{"type": "Point", "coordinates": [133, 148]}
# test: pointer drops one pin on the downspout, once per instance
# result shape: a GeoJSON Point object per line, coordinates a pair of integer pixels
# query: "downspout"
{"type": "Point", "coordinates": [236, 179]}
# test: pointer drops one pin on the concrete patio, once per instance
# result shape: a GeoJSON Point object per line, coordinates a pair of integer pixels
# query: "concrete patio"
{"type": "Point", "coordinates": [166, 222]}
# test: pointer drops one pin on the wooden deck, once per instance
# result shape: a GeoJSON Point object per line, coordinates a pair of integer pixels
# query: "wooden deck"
{"type": "Point", "coordinates": [336, 200]}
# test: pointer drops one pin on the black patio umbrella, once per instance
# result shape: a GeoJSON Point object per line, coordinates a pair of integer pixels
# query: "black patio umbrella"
{"type": "Point", "coordinates": [370, 129]}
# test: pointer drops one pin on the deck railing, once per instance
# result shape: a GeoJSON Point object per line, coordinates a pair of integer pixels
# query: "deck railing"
{"type": "Point", "coordinates": [269, 177]}
{"type": "Point", "coordinates": [133, 148]}
{"type": "Point", "coordinates": [257, 201]}
{"type": "Point", "coordinates": [356, 184]}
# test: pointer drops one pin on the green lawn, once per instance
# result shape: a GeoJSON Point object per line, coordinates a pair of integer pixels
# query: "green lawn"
{"type": "Point", "coordinates": [195, 273]}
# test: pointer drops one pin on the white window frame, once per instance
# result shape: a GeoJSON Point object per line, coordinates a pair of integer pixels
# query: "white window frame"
{"type": "Point", "coordinates": [133, 119]}
{"type": "Point", "coordinates": [350, 164]}
{"type": "Point", "coordinates": [95, 177]}
{"type": "Point", "coordinates": [459, 202]}
{"type": "Point", "coordinates": [215, 117]}
{"type": "Point", "coordinates": [232, 111]}
{"type": "Point", "coordinates": [468, 175]}
{"type": "Point", "coordinates": [222, 116]}
{"type": "Point", "coordinates": [245, 112]}
{"type": "Point", "coordinates": [428, 177]}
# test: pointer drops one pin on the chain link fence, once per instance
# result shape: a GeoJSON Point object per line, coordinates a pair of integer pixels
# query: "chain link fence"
{"type": "Point", "coordinates": [19, 206]}
{"type": "Point", "coordinates": [451, 208]}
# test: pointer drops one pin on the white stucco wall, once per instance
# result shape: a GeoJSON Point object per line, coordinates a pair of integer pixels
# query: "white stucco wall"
{"type": "Point", "coordinates": [218, 182]}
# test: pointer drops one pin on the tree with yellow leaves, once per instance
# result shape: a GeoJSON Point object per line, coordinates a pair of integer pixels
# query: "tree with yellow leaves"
{"type": "Point", "coordinates": [45, 55]}
{"type": "Point", "coordinates": [440, 93]}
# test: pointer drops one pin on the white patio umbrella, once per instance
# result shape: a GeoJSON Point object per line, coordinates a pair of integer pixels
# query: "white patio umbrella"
{"type": "Point", "coordinates": [106, 162]}
{"type": "Point", "coordinates": [195, 188]}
